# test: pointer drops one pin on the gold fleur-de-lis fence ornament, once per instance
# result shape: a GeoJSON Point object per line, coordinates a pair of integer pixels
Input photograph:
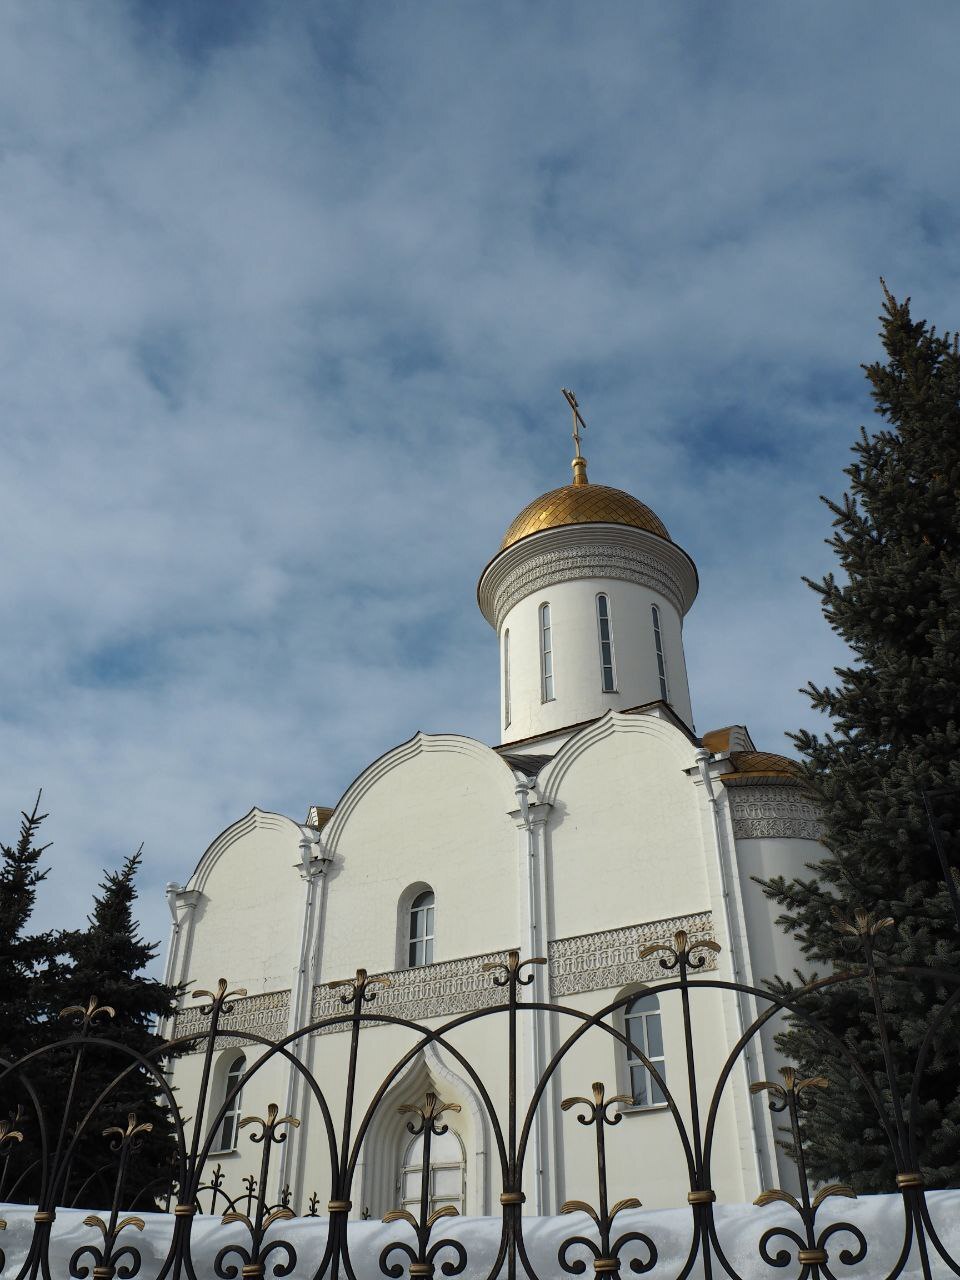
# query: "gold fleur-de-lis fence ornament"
{"type": "Point", "coordinates": [431, 1111]}
{"type": "Point", "coordinates": [508, 972]}
{"type": "Point", "coordinates": [260, 1218]}
{"type": "Point", "coordinates": [8, 1132]}
{"type": "Point", "coordinates": [362, 988]}
{"type": "Point", "coordinates": [606, 1252]}
{"type": "Point", "coordinates": [84, 1017]}
{"type": "Point", "coordinates": [127, 1135]}
{"type": "Point", "coordinates": [863, 924]}
{"type": "Point", "coordinates": [682, 952]}
{"type": "Point", "coordinates": [794, 1095]}
{"type": "Point", "coordinates": [107, 1259]}
{"type": "Point", "coordinates": [219, 999]}
{"type": "Point", "coordinates": [270, 1125]}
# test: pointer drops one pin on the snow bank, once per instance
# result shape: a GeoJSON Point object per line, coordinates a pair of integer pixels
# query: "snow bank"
{"type": "Point", "coordinates": [739, 1228]}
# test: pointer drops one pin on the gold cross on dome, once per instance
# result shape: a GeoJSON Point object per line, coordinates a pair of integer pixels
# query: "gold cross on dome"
{"type": "Point", "coordinates": [578, 421]}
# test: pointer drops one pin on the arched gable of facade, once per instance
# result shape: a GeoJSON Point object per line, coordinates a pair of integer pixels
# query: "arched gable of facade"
{"type": "Point", "coordinates": [624, 840]}
{"type": "Point", "coordinates": [666, 735]}
{"type": "Point", "coordinates": [257, 820]}
{"type": "Point", "coordinates": [434, 814]}
{"type": "Point", "coordinates": [248, 879]}
{"type": "Point", "coordinates": [488, 762]}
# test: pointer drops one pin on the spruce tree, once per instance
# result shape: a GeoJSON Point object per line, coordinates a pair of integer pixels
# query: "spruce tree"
{"type": "Point", "coordinates": [42, 974]}
{"type": "Point", "coordinates": [29, 963]}
{"type": "Point", "coordinates": [32, 968]}
{"type": "Point", "coordinates": [895, 734]}
{"type": "Point", "coordinates": [109, 958]}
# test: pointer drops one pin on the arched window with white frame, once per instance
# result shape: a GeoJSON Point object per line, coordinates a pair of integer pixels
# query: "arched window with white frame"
{"type": "Point", "coordinates": [608, 674]}
{"type": "Point", "coordinates": [661, 662]}
{"type": "Point", "coordinates": [645, 1033]}
{"type": "Point", "coordinates": [420, 929]}
{"type": "Point", "coordinates": [446, 1181]}
{"type": "Point", "coordinates": [546, 655]}
{"type": "Point", "coordinates": [226, 1139]}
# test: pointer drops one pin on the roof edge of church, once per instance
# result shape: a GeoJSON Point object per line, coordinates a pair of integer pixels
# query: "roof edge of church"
{"type": "Point", "coordinates": [755, 767]}
{"type": "Point", "coordinates": [505, 748]}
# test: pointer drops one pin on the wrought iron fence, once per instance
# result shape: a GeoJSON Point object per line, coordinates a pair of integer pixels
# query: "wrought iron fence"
{"type": "Point", "coordinates": [606, 1236]}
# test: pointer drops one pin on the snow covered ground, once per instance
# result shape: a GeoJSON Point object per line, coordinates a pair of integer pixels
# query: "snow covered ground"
{"type": "Point", "coordinates": [739, 1228]}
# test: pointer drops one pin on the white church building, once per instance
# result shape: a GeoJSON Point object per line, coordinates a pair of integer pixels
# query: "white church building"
{"type": "Point", "coordinates": [599, 825]}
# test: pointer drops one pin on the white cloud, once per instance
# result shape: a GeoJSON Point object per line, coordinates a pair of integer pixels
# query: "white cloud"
{"type": "Point", "coordinates": [283, 318]}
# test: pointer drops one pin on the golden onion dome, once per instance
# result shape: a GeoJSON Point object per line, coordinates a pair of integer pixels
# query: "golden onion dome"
{"type": "Point", "coordinates": [582, 503]}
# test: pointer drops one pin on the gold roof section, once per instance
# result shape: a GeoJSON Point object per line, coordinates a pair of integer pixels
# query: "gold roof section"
{"type": "Point", "coordinates": [733, 737]}
{"type": "Point", "coordinates": [582, 503]}
{"type": "Point", "coordinates": [761, 764]}
{"type": "Point", "coordinates": [318, 815]}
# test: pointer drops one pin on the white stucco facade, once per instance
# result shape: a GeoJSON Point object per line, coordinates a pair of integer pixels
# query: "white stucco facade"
{"type": "Point", "coordinates": [599, 826]}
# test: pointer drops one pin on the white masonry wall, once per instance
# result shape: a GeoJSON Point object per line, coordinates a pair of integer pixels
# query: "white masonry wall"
{"type": "Point", "coordinates": [578, 685]}
{"type": "Point", "coordinates": [615, 851]}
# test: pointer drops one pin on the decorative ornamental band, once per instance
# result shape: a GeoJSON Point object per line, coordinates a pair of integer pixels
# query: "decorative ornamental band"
{"type": "Point", "coordinates": [545, 570]}
{"type": "Point", "coordinates": [590, 962]}
{"type": "Point", "coordinates": [604, 961]}
{"type": "Point", "coordinates": [262, 1015]}
{"type": "Point", "coordinates": [427, 991]}
{"type": "Point", "coordinates": [772, 812]}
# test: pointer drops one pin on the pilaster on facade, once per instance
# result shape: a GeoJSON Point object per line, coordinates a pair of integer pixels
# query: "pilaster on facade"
{"type": "Point", "coordinates": [182, 903]}
{"type": "Point", "coordinates": [757, 1138]}
{"type": "Point", "coordinates": [531, 818]}
{"type": "Point", "coordinates": [312, 869]}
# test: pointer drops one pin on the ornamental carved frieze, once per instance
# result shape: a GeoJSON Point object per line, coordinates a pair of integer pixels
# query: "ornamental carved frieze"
{"type": "Point", "coordinates": [591, 962]}
{"type": "Point", "coordinates": [428, 991]}
{"type": "Point", "coordinates": [263, 1015]}
{"type": "Point", "coordinates": [603, 560]}
{"type": "Point", "coordinates": [771, 812]}
{"type": "Point", "coordinates": [601, 961]}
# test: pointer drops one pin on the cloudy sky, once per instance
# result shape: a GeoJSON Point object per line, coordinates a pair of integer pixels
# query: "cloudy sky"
{"type": "Point", "coordinates": [287, 294]}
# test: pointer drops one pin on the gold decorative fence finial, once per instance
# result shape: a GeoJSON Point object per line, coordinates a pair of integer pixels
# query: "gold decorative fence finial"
{"type": "Point", "coordinates": [605, 1251]}
{"type": "Point", "coordinates": [85, 1017]}
{"type": "Point", "coordinates": [218, 1001]}
{"type": "Point", "coordinates": [863, 925]}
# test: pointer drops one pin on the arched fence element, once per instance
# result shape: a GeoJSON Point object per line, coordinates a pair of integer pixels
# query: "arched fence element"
{"type": "Point", "coordinates": [812, 1242]}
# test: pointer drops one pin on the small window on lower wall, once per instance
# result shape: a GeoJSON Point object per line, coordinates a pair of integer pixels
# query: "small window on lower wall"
{"type": "Point", "coordinates": [645, 1034]}
{"type": "Point", "coordinates": [226, 1139]}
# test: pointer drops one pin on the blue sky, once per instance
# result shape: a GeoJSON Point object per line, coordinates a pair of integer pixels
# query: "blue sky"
{"type": "Point", "coordinates": [287, 294]}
